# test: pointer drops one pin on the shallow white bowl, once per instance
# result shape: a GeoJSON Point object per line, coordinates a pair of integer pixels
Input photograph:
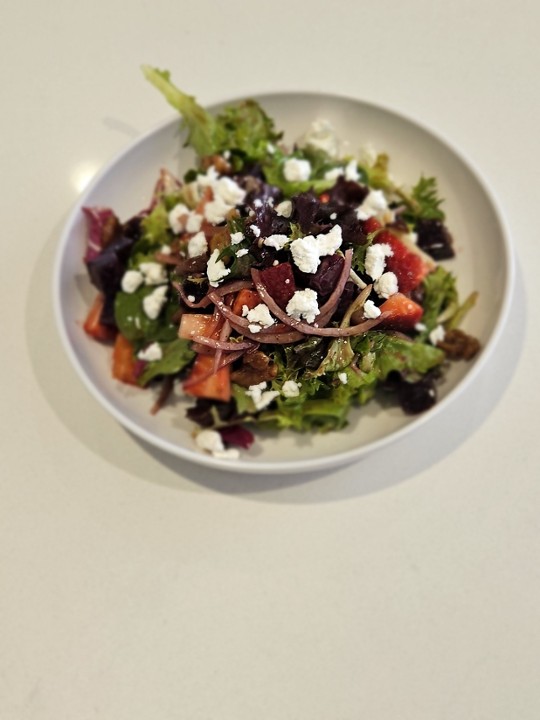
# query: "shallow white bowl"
{"type": "Point", "coordinates": [483, 263]}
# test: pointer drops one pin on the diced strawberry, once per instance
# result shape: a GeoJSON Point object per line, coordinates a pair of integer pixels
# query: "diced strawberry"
{"type": "Point", "coordinates": [371, 225]}
{"type": "Point", "coordinates": [403, 312]}
{"type": "Point", "coordinates": [408, 264]}
{"type": "Point", "coordinates": [279, 281]}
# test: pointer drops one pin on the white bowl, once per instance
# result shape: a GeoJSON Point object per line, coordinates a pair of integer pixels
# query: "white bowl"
{"type": "Point", "coordinates": [483, 262]}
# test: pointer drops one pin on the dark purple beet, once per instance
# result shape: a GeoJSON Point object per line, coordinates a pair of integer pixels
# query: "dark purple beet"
{"type": "Point", "coordinates": [418, 396]}
{"type": "Point", "coordinates": [237, 436]}
{"type": "Point", "coordinates": [325, 279]}
{"type": "Point", "coordinates": [434, 239]}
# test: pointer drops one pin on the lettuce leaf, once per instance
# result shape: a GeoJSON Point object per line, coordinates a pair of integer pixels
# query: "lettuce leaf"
{"type": "Point", "coordinates": [134, 323]}
{"type": "Point", "coordinates": [243, 129]}
{"type": "Point", "coordinates": [176, 356]}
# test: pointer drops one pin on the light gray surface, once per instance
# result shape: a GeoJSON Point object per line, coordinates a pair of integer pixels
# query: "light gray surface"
{"type": "Point", "coordinates": [132, 586]}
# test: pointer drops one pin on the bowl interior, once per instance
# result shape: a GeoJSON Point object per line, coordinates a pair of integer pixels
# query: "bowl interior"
{"type": "Point", "coordinates": [483, 263]}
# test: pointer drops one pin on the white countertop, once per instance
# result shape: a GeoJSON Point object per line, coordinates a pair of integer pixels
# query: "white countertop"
{"type": "Point", "coordinates": [133, 586]}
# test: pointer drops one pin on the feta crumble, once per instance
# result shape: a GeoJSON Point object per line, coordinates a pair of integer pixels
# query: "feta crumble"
{"type": "Point", "coordinates": [215, 269]}
{"type": "Point", "coordinates": [255, 230]}
{"type": "Point", "coordinates": [165, 250]}
{"type": "Point", "coordinates": [216, 211]}
{"type": "Point", "coordinates": [177, 218]}
{"type": "Point", "coordinates": [242, 252]}
{"type": "Point", "coordinates": [276, 241]}
{"type": "Point", "coordinates": [260, 395]}
{"type": "Point", "coordinates": [197, 245]}
{"type": "Point", "coordinates": [152, 353]}
{"type": "Point", "coordinates": [343, 379]}
{"type": "Point", "coordinates": [259, 317]}
{"type": "Point", "coordinates": [307, 251]}
{"type": "Point", "coordinates": [229, 191]}
{"type": "Point", "coordinates": [131, 281]}
{"type": "Point", "coordinates": [284, 208]}
{"type": "Point", "coordinates": [296, 170]}
{"type": "Point", "coordinates": [153, 303]}
{"type": "Point", "coordinates": [375, 261]}
{"type": "Point", "coordinates": [290, 389]}
{"type": "Point", "coordinates": [386, 285]}
{"type": "Point", "coordinates": [437, 335]}
{"type": "Point", "coordinates": [371, 311]}
{"type": "Point", "coordinates": [212, 442]}
{"type": "Point", "coordinates": [237, 237]}
{"type": "Point", "coordinates": [322, 136]}
{"type": "Point", "coordinates": [194, 222]}
{"type": "Point", "coordinates": [303, 304]}
{"type": "Point", "coordinates": [154, 273]}
{"type": "Point", "coordinates": [374, 204]}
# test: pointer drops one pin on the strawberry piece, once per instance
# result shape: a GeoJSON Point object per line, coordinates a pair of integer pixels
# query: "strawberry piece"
{"type": "Point", "coordinates": [279, 281]}
{"type": "Point", "coordinates": [403, 313]}
{"type": "Point", "coordinates": [371, 225]}
{"type": "Point", "coordinates": [93, 325]}
{"type": "Point", "coordinates": [407, 263]}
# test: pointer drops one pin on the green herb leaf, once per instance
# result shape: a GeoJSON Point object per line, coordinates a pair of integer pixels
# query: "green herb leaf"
{"type": "Point", "coordinates": [176, 356]}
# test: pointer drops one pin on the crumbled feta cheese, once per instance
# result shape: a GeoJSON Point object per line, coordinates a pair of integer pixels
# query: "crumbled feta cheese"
{"type": "Point", "coordinates": [216, 211]}
{"type": "Point", "coordinates": [420, 327]}
{"type": "Point", "coordinates": [386, 285]}
{"type": "Point", "coordinates": [351, 171]}
{"type": "Point", "coordinates": [237, 237]}
{"type": "Point", "coordinates": [212, 442]}
{"type": "Point", "coordinates": [215, 269]}
{"type": "Point", "coordinates": [290, 389]}
{"type": "Point", "coordinates": [197, 245]}
{"type": "Point", "coordinates": [333, 216]}
{"type": "Point", "coordinates": [303, 304]}
{"type": "Point", "coordinates": [177, 218]}
{"type": "Point", "coordinates": [131, 281]}
{"type": "Point", "coordinates": [209, 179]}
{"type": "Point", "coordinates": [322, 136]}
{"type": "Point", "coordinates": [260, 317]}
{"type": "Point", "coordinates": [284, 208]}
{"type": "Point", "coordinates": [257, 203]}
{"type": "Point", "coordinates": [260, 396]}
{"type": "Point", "coordinates": [276, 241]}
{"type": "Point", "coordinates": [371, 311]}
{"type": "Point", "coordinates": [194, 222]}
{"type": "Point", "coordinates": [152, 353]}
{"type": "Point", "coordinates": [255, 230]}
{"type": "Point", "coordinates": [191, 298]}
{"type": "Point", "coordinates": [333, 174]}
{"type": "Point", "coordinates": [242, 252]}
{"type": "Point", "coordinates": [436, 335]}
{"type": "Point", "coordinates": [374, 204]}
{"type": "Point", "coordinates": [165, 250]}
{"type": "Point", "coordinates": [153, 303]}
{"type": "Point", "coordinates": [270, 148]}
{"type": "Point", "coordinates": [375, 261]}
{"type": "Point", "coordinates": [296, 170]}
{"type": "Point", "coordinates": [270, 202]}
{"type": "Point", "coordinates": [343, 378]}
{"type": "Point", "coordinates": [307, 251]}
{"type": "Point", "coordinates": [229, 191]}
{"type": "Point", "coordinates": [154, 273]}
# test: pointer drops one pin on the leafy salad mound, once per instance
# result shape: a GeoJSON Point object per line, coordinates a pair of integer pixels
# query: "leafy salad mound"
{"type": "Point", "coordinates": [279, 286]}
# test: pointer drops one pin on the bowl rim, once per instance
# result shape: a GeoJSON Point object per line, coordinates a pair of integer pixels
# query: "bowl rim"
{"type": "Point", "coordinates": [244, 464]}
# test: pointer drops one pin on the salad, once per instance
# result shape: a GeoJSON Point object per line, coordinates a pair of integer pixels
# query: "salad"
{"type": "Point", "coordinates": [277, 286]}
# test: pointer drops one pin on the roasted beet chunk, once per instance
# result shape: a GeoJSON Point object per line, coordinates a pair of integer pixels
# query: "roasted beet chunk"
{"type": "Point", "coordinates": [106, 271]}
{"type": "Point", "coordinates": [237, 436]}
{"type": "Point", "coordinates": [434, 239]}
{"type": "Point", "coordinates": [307, 214]}
{"type": "Point", "coordinates": [280, 283]}
{"type": "Point", "coordinates": [325, 279]}
{"type": "Point", "coordinates": [417, 397]}
{"type": "Point", "coordinates": [347, 192]}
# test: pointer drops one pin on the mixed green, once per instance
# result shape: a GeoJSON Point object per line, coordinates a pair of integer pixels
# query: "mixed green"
{"type": "Point", "coordinates": [279, 286]}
